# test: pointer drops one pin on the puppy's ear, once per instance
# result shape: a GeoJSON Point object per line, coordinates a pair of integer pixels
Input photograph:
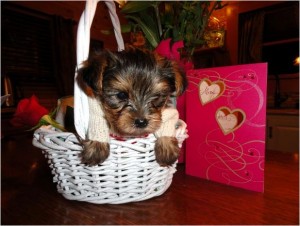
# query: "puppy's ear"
{"type": "Point", "coordinates": [181, 81]}
{"type": "Point", "coordinates": [90, 76]}
{"type": "Point", "coordinates": [174, 72]}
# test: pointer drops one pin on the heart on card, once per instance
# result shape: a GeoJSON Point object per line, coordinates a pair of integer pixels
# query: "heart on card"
{"type": "Point", "coordinates": [209, 91]}
{"type": "Point", "coordinates": [230, 120]}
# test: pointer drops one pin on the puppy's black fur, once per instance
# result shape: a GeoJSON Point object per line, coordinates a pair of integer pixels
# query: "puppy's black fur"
{"type": "Point", "coordinates": [133, 87]}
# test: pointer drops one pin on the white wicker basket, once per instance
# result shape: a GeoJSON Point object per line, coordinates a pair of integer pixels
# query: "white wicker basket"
{"type": "Point", "coordinates": [129, 174]}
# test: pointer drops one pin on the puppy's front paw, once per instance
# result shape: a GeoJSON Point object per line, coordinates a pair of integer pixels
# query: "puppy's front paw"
{"type": "Point", "coordinates": [166, 150]}
{"type": "Point", "coordinates": [94, 152]}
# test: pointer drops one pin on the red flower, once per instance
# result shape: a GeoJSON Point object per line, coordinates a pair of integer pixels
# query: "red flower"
{"type": "Point", "coordinates": [29, 112]}
{"type": "Point", "coordinates": [165, 49]}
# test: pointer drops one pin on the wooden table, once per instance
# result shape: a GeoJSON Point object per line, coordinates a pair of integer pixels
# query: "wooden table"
{"type": "Point", "coordinates": [29, 196]}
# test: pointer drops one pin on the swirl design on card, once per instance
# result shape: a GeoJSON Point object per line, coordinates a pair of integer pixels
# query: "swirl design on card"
{"type": "Point", "coordinates": [231, 161]}
{"type": "Point", "coordinates": [230, 120]}
{"type": "Point", "coordinates": [227, 144]}
{"type": "Point", "coordinates": [210, 91]}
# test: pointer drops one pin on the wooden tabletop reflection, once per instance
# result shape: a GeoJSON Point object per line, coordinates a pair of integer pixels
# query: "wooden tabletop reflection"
{"type": "Point", "coordinates": [30, 197]}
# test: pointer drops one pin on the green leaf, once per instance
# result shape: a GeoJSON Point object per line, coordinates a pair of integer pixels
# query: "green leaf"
{"type": "Point", "coordinates": [107, 32]}
{"type": "Point", "coordinates": [151, 23]}
{"type": "Point", "coordinates": [136, 6]}
{"type": "Point", "coordinates": [150, 35]}
{"type": "Point", "coordinates": [125, 28]}
{"type": "Point", "coordinates": [47, 120]}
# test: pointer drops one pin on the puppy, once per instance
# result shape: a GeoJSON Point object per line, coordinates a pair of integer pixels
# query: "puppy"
{"type": "Point", "coordinates": [133, 88]}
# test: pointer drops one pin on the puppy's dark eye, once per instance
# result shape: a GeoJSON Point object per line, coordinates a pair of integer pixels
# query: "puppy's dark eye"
{"type": "Point", "coordinates": [159, 101]}
{"type": "Point", "coordinates": [122, 96]}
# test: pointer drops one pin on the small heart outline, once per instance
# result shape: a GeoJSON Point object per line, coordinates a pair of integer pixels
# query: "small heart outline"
{"type": "Point", "coordinates": [210, 91]}
{"type": "Point", "coordinates": [230, 120]}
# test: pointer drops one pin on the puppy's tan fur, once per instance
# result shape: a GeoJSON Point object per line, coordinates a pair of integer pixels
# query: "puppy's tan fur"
{"type": "Point", "coordinates": [133, 88]}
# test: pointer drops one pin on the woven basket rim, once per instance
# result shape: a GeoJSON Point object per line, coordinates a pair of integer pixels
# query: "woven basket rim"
{"type": "Point", "coordinates": [126, 176]}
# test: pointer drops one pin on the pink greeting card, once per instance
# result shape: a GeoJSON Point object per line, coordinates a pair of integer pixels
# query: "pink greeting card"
{"type": "Point", "coordinates": [226, 118]}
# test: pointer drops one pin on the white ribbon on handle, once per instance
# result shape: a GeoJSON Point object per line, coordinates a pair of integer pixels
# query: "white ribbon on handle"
{"type": "Point", "coordinates": [81, 106]}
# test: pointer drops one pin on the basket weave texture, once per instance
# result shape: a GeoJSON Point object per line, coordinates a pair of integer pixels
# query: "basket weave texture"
{"type": "Point", "coordinates": [129, 174]}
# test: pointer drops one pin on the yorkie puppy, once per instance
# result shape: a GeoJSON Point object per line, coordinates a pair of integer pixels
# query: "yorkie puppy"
{"type": "Point", "coordinates": [133, 87]}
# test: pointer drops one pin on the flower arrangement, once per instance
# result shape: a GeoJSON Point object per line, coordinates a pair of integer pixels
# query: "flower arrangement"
{"type": "Point", "coordinates": [175, 21]}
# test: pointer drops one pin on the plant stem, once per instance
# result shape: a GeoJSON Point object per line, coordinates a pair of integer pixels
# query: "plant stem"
{"type": "Point", "coordinates": [158, 20]}
{"type": "Point", "coordinates": [206, 20]}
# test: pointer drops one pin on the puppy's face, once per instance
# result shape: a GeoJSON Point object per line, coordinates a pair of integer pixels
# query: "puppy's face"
{"type": "Point", "coordinates": [133, 87]}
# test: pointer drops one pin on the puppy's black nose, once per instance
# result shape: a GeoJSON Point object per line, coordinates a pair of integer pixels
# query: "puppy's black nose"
{"type": "Point", "coordinates": [141, 123]}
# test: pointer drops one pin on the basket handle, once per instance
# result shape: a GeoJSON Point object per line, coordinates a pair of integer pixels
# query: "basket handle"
{"type": "Point", "coordinates": [81, 106]}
